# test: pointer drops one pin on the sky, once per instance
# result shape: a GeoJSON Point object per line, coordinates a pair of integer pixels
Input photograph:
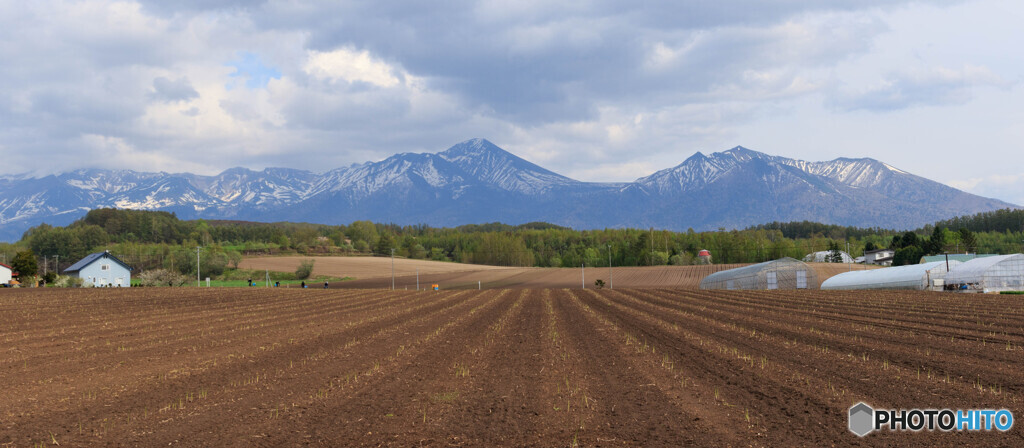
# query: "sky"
{"type": "Point", "coordinates": [594, 90]}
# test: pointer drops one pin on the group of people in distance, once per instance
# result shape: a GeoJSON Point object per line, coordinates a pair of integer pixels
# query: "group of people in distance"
{"type": "Point", "coordinates": [278, 284]}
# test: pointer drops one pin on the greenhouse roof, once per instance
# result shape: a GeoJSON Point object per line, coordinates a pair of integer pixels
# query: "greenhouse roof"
{"type": "Point", "coordinates": [900, 277]}
{"type": "Point", "coordinates": [972, 270]}
{"type": "Point", "coordinates": [958, 257]}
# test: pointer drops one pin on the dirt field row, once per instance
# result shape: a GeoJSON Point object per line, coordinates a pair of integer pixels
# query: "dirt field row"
{"type": "Point", "coordinates": [244, 367]}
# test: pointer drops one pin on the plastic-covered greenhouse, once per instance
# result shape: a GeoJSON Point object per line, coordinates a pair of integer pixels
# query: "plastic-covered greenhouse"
{"type": "Point", "coordinates": [822, 257]}
{"type": "Point", "coordinates": [998, 273]}
{"type": "Point", "coordinates": [915, 276]}
{"type": "Point", "coordinates": [784, 273]}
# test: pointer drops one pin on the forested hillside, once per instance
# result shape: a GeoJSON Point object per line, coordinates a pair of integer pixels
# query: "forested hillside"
{"type": "Point", "coordinates": [149, 240]}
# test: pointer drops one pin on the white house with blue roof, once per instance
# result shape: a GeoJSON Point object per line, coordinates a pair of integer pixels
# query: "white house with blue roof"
{"type": "Point", "coordinates": [102, 269]}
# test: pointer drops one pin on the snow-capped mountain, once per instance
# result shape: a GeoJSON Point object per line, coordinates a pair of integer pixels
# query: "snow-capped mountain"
{"type": "Point", "coordinates": [476, 181]}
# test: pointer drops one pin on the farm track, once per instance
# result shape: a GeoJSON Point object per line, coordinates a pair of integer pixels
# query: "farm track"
{"type": "Point", "coordinates": [513, 367]}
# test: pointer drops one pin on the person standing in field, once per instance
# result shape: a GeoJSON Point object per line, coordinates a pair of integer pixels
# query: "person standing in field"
{"type": "Point", "coordinates": [325, 284]}
{"type": "Point", "coordinates": [303, 284]}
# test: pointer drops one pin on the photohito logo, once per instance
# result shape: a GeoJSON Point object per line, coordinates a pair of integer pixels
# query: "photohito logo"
{"type": "Point", "coordinates": [864, 419]}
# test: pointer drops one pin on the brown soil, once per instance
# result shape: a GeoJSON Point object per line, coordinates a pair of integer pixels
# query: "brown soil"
{"type": "Point", "coordinates": [552, 367]}
{"type": "Point", "coordinates": [362, 267]}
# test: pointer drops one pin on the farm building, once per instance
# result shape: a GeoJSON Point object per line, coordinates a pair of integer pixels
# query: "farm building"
{"type": "Point", "coordinates": [102, 269]}
{"type": "Point", "coordinates": [915, 276]}
{"type": "Point", "coordinates": [989, 274]}
{"type": "Point", "coordinates": [5, 274]}
{"type": "Point", "coordinates": [881, 257]}
{"type": "Point", "coordinates": [784, 273]}
{"type": "Point", "coordinates": [822, 257]}
{"type": "Point", "coordinates": [704, 256]}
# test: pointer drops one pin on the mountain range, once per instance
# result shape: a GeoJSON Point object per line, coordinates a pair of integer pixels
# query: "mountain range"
{"type": "Point", "coordinates": [476, 182]}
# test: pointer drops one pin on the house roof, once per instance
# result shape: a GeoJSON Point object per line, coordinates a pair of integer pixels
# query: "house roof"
{"type": "Point", "coordinates": [8, 267]}
{"type": "Point", "coordinates": [89, 259]}
{"type": "Point", "coordinates": [877, 251]}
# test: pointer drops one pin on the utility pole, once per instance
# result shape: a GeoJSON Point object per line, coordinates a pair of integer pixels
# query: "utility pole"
{"type": "Point", "coordinates": [197, 267]}
{"type": "Point", "coordinates": [392, 268]}
{"type": "Point", "coordinates": [56, 264]}
{"type": "Point", "coordinates": [848, 254]}
{"type": "Point", "coordinates": [417, 279]}
{"type": "Point", "coordinates": [611, 283]}
{"type": "Point", "coordinates": [583, 274]}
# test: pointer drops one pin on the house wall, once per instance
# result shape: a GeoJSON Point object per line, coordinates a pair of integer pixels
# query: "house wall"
{"type": "Point", "coordinates": [5, 275]}
{"type": "Point", "coordinates": [94, 273]}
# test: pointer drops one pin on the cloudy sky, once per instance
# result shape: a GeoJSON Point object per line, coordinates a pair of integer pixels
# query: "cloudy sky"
{"type": "Point", "coordinates": [595, 90]}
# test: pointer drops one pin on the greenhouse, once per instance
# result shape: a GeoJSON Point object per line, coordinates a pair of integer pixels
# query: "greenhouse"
{"type": "Point", "coordinates": [916, 276]}
{"type": "Point", "coordinates": [989, 274]}
{"type": "Point", "coordinates": [785, 273]}
{"type": "Point", "coordinates": [822, 256]}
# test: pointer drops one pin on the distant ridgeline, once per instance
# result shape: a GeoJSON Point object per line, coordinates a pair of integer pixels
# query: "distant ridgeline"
{"type": "Point", "coordinates": [149, 239]}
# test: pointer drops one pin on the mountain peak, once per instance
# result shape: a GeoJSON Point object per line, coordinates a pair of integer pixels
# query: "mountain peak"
{"type": "Point", "coordinates": [473, 147]}
{"type": "Point", "coordinates": [487, 162]}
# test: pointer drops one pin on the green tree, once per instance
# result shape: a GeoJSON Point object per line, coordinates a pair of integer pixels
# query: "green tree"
{"type": "Point", "coordinates": [234, 258]}
{"type": "Point", "coordinates": [834, 254]}
{"type": "Point", "coordinates": [936, 242]}
{"type": "Point", "coordinates": [25, 265]}
{"type": "Point", "coordinates": [907, 255]}
{"type": "Point", "coordinates": [968, 242]}
{"type": "Point", "coordinates": [363, 230]}
{"type": "Point", "coordinates": [305, 269]}
{"type": "Point", "coordinates": [385, 244]}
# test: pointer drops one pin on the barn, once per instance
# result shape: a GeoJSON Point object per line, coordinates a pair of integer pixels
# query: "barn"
{"type": "Point", "coordinates": [784, 273]}
{"type": "Point", "coordinates": [988, 274]}
{"type": "Point", "coordinates": [924, 276]}
{"type": "Point", "coordinates": [102, 269]}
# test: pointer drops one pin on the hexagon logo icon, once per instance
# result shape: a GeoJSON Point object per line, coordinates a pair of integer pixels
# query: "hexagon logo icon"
{"type": "Point", "coordinates": [862, 419]}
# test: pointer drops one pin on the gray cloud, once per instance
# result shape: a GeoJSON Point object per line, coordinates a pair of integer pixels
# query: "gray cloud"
{"type": "Point", "coordinates": [935, 87]}
{"type": "Point", "coordinates": [173, 90]}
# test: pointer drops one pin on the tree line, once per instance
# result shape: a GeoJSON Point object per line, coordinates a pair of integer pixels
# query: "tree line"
{"type": "Point", "coordinates": [152, 239]}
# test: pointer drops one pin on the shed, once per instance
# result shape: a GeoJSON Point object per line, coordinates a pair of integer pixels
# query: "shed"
{"type": "Point", "coordinates": [6, 272]}
{"type": "Point", "coordinates": [102, 269]}
{"type": "Point", "coordinates": [784, 273]}
{"type": "Point", "coordinates": [915, 276]}
{"type": "Point", "coordinates": [989, 274]}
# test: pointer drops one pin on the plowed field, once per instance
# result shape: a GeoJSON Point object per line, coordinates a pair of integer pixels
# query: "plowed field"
{"type": "Point", "coordinates": [552, 367]}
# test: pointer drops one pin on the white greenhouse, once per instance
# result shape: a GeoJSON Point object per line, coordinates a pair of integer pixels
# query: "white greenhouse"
{"type": "Point", "coordinates": [784, 273]}
{"type": "Point", "coordinates": [989, 274]}
{"type": "Point", "coordinates": [821, 256]}
{"type": "Point", "coordinates": [929, 276]}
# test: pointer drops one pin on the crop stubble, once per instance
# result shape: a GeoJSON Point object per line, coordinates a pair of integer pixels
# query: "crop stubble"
{"type": "Point", "coordinates": [550, 367]}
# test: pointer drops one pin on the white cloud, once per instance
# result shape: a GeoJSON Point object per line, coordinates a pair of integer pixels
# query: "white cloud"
{"type": "Point", "coordinates": [351, 66]}
{"type": "Point", "coordinates": [1008, 187]}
